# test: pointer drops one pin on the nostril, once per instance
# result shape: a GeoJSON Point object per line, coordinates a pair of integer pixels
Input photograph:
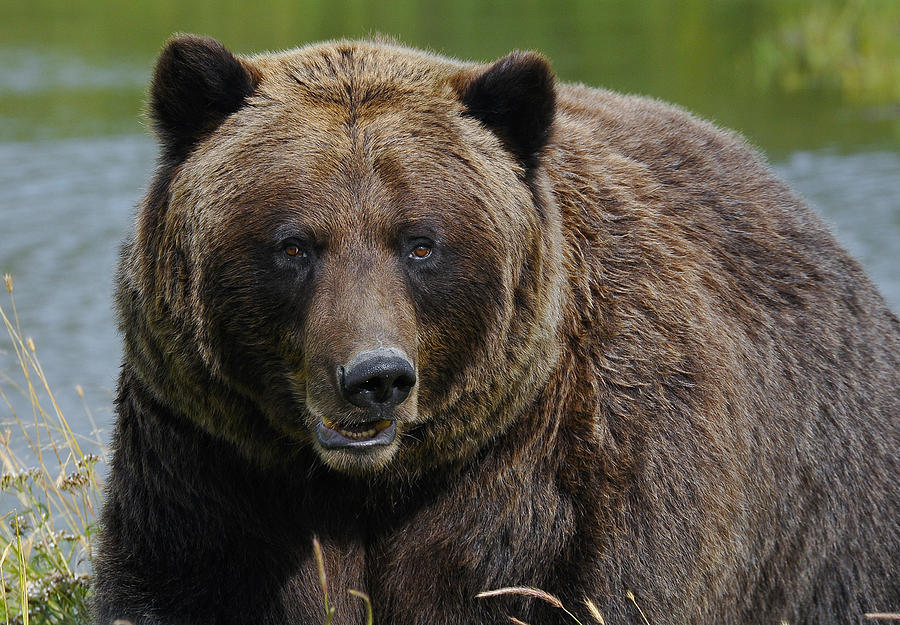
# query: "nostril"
{"type": "Point", "coordinates": [405, 382]}
{"type": "Point", "coordinates": [374, 385]}
{"type": "Point", "coordinates": [401, 387]}
{"type": "Point", "coordinates": [381, 377]}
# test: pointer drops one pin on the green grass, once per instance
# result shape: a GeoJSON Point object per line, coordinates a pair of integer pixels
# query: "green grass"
{"type": "Point", "coordinates": [49, 496]}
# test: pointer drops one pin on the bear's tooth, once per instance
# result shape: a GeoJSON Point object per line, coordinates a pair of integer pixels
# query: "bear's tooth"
{"type": "Point", "coordinates": [376, 428]}
{"type": "Point", "coordinates": [359, 435]}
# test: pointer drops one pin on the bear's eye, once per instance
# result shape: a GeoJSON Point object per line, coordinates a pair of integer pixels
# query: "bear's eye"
{"type": "Point", "coordinates": [293, 249]}
{"type": "Point", "coordinates": [420, 252]}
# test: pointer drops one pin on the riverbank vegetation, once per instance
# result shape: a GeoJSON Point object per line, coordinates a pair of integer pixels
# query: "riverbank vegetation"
{"type": "Point", "coordinates": [849, 47]}
{"type": "Point", "coordinates": [50, 495]}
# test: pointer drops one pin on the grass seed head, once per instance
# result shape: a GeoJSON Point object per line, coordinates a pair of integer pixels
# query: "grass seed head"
{"type": "Point", "coordinates": [595, 612]}
{"type": "Point", "coordinates": [522, 590]}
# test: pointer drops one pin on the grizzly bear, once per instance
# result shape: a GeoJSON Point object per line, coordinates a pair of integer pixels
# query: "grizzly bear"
{"type": "Point", "coordinates": [470, 329]}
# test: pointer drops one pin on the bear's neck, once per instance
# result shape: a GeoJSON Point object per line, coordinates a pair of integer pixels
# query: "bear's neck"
{"type": "Point", "coordinates": [166, 455]}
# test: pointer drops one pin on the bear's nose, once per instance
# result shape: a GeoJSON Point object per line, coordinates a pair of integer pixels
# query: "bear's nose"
{"type": "Point", "coordinates": [377, 378]}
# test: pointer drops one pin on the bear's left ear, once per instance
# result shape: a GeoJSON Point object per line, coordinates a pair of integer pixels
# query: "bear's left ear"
{"type": "Point", "coordinates": [516, 98]}
{"type": "Point", "coordinates": [197, 83]}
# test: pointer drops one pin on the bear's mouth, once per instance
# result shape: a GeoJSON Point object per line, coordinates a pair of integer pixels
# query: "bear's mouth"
{"type": "Point", "coordinates": [358, 435]}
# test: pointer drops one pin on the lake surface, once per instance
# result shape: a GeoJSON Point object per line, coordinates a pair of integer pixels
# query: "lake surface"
{"type": "Point", "coordinates": [75, 155]}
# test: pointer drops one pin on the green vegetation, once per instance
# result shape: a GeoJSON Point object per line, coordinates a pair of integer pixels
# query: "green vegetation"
{"type": "Point", "coordinates": [791, 74]}
{"type": "Point", "coordinates": [52, 493]}
{"type": "Point", "coordinates": [851, 47]}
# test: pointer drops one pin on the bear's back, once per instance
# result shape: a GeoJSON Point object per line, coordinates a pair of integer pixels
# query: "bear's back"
{"type": "Point", "coordinates": [711, 301]}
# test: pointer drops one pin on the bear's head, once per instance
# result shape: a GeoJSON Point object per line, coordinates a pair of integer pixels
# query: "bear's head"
{"type": "Point", "coordinates": [349, 248]}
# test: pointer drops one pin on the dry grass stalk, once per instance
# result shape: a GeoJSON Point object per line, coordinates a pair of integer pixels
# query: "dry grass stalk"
{"type": "Point", "coordinates": [529, 592]}
{"type": "Point", "coordinates": [522, 590]}
{"type": "Point", "coordinates": [323, 580]}
{"type": "Point", "coordinates": [630, 595]}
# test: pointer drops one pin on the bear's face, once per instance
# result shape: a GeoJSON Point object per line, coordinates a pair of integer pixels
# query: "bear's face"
{"type": "Point", "coordinates": [361, 257]}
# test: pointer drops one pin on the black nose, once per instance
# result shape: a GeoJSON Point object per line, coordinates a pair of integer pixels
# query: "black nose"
{"type": "Point", "coordinates": [381, 377]}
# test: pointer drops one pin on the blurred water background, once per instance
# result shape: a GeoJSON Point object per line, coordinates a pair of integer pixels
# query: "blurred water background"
{"type": "Point", "coordinates": [815, 85]}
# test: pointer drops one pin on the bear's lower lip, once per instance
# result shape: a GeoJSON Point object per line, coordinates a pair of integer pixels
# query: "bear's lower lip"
{"type": "Point", "coordinates": [357, 436]}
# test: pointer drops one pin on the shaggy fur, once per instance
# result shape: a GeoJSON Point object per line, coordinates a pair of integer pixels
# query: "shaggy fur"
{"type": "Point", "coordinates": [644, 368]}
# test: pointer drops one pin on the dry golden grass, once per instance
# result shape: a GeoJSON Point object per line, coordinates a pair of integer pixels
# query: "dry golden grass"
{"type": "Point", "coordinates": [551, 599]}
{"type": "Point", "coordinates": [49, 495]}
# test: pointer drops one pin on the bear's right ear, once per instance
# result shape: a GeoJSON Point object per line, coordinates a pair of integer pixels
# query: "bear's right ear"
{"type": "Point", "coordinates": [514, 97]}
{"type": "Point", "coordinates": [197, 83]}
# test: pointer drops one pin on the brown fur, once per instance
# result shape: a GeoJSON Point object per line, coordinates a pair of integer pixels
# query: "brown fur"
{"type": "Point", "coordinates": [642, 363]}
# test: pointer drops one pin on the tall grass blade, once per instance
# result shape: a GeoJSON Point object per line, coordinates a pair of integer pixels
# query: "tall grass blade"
{"type": "Point", "coordinates": [361, 595]}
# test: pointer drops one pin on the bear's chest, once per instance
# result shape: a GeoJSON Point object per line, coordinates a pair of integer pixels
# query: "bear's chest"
{"type": "Point", "coordinates": [436, 558]}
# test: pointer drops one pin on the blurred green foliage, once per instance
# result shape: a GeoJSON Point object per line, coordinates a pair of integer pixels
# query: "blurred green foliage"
{"type": "Point", "coordinates": [788, 73]}
{"type": "Point", "coordinates": [851, 47]}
